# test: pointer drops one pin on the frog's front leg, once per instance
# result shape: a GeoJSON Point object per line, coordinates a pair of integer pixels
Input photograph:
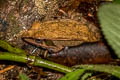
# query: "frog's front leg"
{"type": "Point", "coordinates": [51, 47]}
{"type": "Point", "coordinates": [54, 49]}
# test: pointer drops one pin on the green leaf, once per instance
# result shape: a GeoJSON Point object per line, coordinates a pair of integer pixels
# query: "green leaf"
{"type": "Point", "coordinates": [23, 76]}
{"type": "Point", "coordinates": [75, 75]}
{"type": "Point", "coordinates": [86, 75]}
{"type": "Point", "coordinates": [117, 1]}
{"type": "Point", "coordinates": [109, 16]}
{"type": "Point", "coordinates": [114, 70]}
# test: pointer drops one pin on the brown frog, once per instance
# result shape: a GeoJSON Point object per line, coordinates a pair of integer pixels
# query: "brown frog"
{"type": "Point", "coordinates": [63, 32]}
{"type": "Point", "coordinates": [66, 32]}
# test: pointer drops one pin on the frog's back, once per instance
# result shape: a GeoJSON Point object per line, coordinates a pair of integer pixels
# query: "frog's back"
{"type": "Point", "coordinates": [64, 29]}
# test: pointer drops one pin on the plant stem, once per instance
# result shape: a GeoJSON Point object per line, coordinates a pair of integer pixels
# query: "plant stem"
{"type": "Point", "coordinates": [52, 65]}
{"type": "Point", "coordinates": [111, 69]}
{"type": "Point", "coordinates": [34, 61]}
{"type": "Point", "coordinates": [9, 48]}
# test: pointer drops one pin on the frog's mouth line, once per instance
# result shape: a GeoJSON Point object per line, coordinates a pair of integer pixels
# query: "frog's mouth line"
{"type": "Point", "coordinates": [39, 44]}
{"type": "Point", "coordinates": [34, 42]}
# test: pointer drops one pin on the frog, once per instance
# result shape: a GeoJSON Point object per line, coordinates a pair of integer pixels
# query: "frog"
{"type": "Point", "coordinates": [59, 33]}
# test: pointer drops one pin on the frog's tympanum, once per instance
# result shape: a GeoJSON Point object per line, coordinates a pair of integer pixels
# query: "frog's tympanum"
{"type": "Point", "coordinates": [57, 34]}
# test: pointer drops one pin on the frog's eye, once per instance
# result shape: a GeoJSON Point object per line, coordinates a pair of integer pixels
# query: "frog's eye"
{"type": "Point", "coordinates": [38, 41]}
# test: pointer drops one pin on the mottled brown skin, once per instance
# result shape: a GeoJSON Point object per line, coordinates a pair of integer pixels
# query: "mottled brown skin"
{"type": "Point", "coordinates": [86, 53]}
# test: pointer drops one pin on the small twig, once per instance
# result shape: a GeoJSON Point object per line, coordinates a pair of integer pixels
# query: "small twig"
{"type": "Point", "coordinates": [6, 69]}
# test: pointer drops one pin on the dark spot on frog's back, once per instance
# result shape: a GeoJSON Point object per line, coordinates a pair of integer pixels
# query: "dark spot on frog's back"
{"type": "Point", "coordinates": [86, 53]}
